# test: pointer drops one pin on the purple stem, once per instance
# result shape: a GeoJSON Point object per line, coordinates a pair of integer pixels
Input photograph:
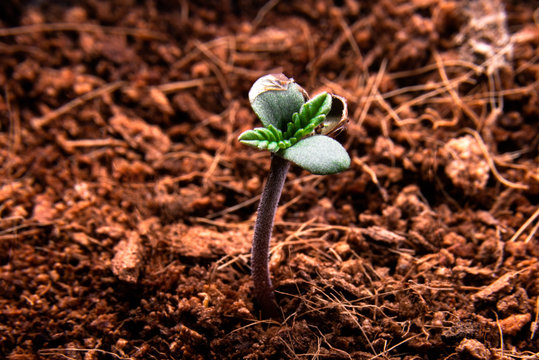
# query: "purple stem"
{"type": "Point", "coordinates": [267, 207]}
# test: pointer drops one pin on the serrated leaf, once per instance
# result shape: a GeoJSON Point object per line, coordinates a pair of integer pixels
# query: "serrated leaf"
{"type": "Point", "coordinates": [251, 135]}
{"type": "Point", "coordinates": [318, 154]}
{"type": "Point", "coordinates": [285, 144]}
{"type": "Point", "coordinates": [310, 115]}
{"type": "Point", "coordinates": [273, 146]}
{"type": "Point", "coordinates": [319, 105]}
{"type": "Point", "coordinates": [264, 138]}
{"type": "Point", "coordinates": [260, 133]}
{"type": "Point", "coordinates": [268, 135]}
{"type": "Point", "coordinates": [263, 145]}
{"type": "Point", "coordinates": [277, 134]}
{"type": "Point", "coordinates": [254, 143]}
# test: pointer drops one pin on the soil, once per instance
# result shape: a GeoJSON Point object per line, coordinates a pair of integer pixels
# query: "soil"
{"type": "Point", "coordinates": [127, 203]}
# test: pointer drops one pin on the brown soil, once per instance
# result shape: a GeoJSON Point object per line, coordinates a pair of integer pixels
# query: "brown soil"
{"type": "Point", "coordinates": [127, 203]}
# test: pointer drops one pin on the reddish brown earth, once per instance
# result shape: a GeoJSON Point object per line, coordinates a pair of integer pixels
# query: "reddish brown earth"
{"type": "Point", "coordinates": [127, 203]}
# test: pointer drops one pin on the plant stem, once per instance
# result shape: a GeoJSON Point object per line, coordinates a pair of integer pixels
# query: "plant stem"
{"type": "Point", "coordinates": [263, 288]}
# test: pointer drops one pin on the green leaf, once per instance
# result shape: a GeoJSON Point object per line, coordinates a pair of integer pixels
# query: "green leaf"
{"type": "Point", "coordinates": [319, 105]}
{"type": "Point", "coordinates": [318, 154]}
{"type": "Point", "coordinates": [275, 98]}
{"type": "Point", "coordinates": [262, 138]}
{"type": "Point", "coordinates": [310, 115]}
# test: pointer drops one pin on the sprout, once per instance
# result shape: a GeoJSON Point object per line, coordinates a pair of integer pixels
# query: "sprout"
{"type": "Point", "coordinates": [295, 130]}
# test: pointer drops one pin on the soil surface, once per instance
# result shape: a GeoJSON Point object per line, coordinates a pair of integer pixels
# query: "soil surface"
{"type": "Point", "coordinates": [127, 203]}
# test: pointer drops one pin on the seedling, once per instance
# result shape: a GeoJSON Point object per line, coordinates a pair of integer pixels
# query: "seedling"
{"type": "Point", "coordinates": [296, 129]}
